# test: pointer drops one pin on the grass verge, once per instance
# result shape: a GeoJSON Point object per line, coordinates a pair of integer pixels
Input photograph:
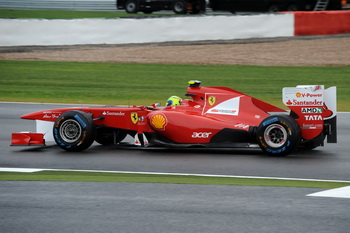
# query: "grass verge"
{"type": "Point", "coordinates": [144, 84]}
{"type": "Point", "coordinates": [155, 178]}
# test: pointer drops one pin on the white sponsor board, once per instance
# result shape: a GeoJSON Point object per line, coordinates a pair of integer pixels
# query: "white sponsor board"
{"type": "Point", "coordinates": [303, 95]}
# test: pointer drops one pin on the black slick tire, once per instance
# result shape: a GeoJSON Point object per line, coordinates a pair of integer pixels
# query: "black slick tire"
{"type": "Point", "coordinates": [278, 135]}
{"type": "Point", "coordinates": [74, 131]}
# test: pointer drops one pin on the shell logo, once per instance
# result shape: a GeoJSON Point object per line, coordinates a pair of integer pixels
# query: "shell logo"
{"type": "Point", "coordinates": [298, 95]}
{"type": "Point", "coordinates": [159, 122]}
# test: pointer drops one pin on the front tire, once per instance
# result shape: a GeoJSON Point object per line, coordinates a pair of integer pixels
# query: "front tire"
{"type": "Point", "coordinates": [74, 131]}
{"type": "Point", "coordinates": [278, 135]}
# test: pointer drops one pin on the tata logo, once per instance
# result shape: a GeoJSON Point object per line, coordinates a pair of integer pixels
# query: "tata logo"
{"type": "Point", "coordinates": [311, 110]}
{"type": "Point", "coordinates": [313, 117]}
{"type": "Point", "coordinates": [201, 134]}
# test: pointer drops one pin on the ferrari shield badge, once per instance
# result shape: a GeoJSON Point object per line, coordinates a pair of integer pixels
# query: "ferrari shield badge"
{"type": "Point", "coordinates": [134, 117]}
{"type": "Point", "coordinates": [211, 100]}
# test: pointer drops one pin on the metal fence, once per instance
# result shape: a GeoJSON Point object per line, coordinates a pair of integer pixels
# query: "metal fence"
{"type": "Point", "coordinates": [98, 5]}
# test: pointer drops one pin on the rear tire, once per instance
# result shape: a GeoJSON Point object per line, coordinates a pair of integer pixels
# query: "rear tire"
{"type": "Point", "coordinates": [278, 135]}
{"type": "Point", "coordinates": [74, 131]}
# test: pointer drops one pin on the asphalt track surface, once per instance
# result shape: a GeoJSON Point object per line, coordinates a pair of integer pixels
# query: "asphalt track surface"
{"type": "Point", "coordinates": [150, 208]}
{"type": "Point", "coordinates": [132, 207]}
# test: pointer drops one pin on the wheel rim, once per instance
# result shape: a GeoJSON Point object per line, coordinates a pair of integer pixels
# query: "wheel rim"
{"type": "Point", "coordinates": [179, 7]}
{"type": "Point", "coordinates": [131, 6]}
{"type": "Point", "coordinates": [275, 135]}
{"type": "Point", "coordinates": [70, 131]}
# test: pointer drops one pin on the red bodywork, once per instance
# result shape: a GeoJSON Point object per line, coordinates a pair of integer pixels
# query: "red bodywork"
{"type": "Point", "coordinates": [27, 139]}
{"type": "Point", "coordinates": [213, 115]}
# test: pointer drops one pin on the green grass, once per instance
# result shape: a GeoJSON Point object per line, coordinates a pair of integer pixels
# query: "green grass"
{"type": "Point", "coordinates": [171, 179]}
{"type": "Point", "coordinates": [144, 84]}
{"type": "Point", "coordinates": [64, 14]}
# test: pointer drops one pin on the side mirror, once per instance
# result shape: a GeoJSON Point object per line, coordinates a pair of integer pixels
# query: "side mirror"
{"type": "Point", "coordinates": [156, 105]}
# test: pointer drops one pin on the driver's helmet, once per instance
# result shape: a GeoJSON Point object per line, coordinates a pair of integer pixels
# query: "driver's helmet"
{"type": "Point", "coordinates": [173, 100]}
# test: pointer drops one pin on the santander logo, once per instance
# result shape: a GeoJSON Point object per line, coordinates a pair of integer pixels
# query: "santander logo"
{"type": "Point", "coordinates": [295, 102]}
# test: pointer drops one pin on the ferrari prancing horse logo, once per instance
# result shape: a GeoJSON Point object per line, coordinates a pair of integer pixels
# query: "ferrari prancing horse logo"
{"type": "Point", "coordinates": [134, 117]}
{"type": "Point", "coordinates": [211, 100]}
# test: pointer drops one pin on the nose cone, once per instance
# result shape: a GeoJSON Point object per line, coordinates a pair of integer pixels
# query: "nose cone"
{"type": "Point", "coordinates": [46, 115]}
{"type": "Point", "coordinates": [32, 116]}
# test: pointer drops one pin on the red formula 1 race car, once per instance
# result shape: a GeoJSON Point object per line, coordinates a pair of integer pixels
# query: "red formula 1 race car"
{"type": "Point", "coordinates": [214, 117]}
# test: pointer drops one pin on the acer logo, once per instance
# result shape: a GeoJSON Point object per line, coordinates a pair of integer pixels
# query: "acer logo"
{"type": "Point", "coordinates": [313, 117]}
{"type": "Point", "coordinates": [201, 134]}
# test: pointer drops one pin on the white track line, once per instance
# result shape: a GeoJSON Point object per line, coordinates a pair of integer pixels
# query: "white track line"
{"type": "Point", "coordinates": [343, 192]}
{"type": "Point", "coordinates": [10, 169]}
{"type": "Point", "coordinates": [4, 169]}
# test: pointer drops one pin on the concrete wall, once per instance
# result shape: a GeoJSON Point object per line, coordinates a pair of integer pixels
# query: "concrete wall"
{"type": "Point", "coordinates": [16, 32]}
{"type": "Point", "coordinates": [120, 31]}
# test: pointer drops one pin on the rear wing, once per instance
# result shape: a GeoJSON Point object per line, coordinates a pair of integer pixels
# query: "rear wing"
{"type": "Point", "coordinates": [316, 109]}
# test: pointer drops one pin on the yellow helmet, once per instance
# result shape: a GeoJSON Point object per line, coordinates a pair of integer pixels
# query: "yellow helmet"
{"type": "Point", "coordinates": [173, 100]}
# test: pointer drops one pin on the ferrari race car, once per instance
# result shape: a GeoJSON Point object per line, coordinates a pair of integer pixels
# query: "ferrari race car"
{"type": "Point", "coordinates": [214, 117]}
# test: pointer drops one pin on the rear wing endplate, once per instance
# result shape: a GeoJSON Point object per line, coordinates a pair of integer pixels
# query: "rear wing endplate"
{"type": "Point", "coordinates": [316, 108]}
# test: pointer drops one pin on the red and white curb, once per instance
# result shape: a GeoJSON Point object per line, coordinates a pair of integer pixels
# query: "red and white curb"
{"type": "Point", "coordinates": [343, 192]}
